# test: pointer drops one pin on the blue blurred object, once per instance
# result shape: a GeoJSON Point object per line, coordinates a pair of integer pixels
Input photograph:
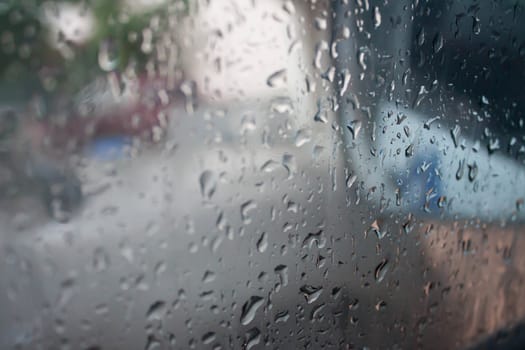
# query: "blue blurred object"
{"type": "Point", "coordinates": [108, 148]}
{"type": "Point", "coordinates": [422, 186]}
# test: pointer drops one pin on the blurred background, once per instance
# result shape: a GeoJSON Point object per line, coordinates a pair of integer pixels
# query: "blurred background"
{"type": "Point", "coordinates": [248, 174]}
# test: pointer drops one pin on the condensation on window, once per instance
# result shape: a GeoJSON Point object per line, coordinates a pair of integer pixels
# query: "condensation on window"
{"type": "Point", "coordinates": [284, 174]}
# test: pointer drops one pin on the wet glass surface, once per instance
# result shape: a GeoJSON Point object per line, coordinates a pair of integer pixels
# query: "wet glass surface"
{"type": "Point", "coordinates": [262, 174]}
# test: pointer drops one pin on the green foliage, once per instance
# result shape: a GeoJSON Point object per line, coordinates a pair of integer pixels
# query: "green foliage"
{"type": "Point", "coordinates": [25, 50]}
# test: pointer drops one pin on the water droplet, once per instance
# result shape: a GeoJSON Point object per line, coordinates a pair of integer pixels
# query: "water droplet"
{"type": "Point", "coordinates": [459, 172]}
{"type": "Point", "coordinates": [350, 180]}
{"type": "Point", "coordinates": [377, 17]}
{"type": "Point", "coordinates": [317, 151]}
{"type": "Point", "coordinates": [252, 338]}
{"type": "Point", "coordinates": [476, 26]}
{"type": "Point", "coordinates": [437, 43]}
{"type": "Point", "coordinates": [262, 243]}
{"type": "Point", "coordinates": [421, 37]}
{"type": "Point", "coordinates": [270, 166]}
{"type": "Point", "coordinates": [249, 309]}
{"type": "Point", "coordinates": [153, 344]}
{"type": "Point", "coordinates": [289, 7]}
{"type": "Point", "coordinates": [398, 197]}
{"type": "Point", "coordinates": [127, 251]}
{"type": "Point", "coordinates": [320, 23]}
{"type": "Point", "coordinates": [381, 305]}
{"type": "Point", "coordinates": [316, 238]}
{"type": "Point", "coordinates": [311, 293]}
{"type": "Point", "coordinates": [408, 225]}
{"type": "Point", "coordinates": [282, 317]}
{"type": "Point", "coordinates": [277, 79]}
{"type": "Point", "coordinates": [160, 267]}
{"type": "Point", "coordinates": [409, 151]}
{"type": "Point", "coordinates": [67, 291]}
{"type": "Point", "coordinates": [101, 309]}
{"type": "Point", "coordinates": [354, 305]}
{"type": "Point", "coordinates": [354, 127]}
{"type": "Point", "coordinates": [493, 145]}
{"type": "Point", "coordinates": [381, 270]}
{"type": "Point", "coordinates": [472, 171]}
{"type": "Point", "coordinates": [320, 115]}
{"type": "Point", "coordinates": [282, 105]}
{"type": "Point", "coordinates": [108, 56]}
{"type": "Point", "coordinates": [246, 207]}
{"type": "Point", "coordinates": [216, 242]}
{"type": "Point", "coordinates": [207, 295]}
{"type": "Point", "coordinates": [346, 82]}
{"type": "Point", "coordinates": [302, 137]}
{"type": "Point", "coordinates": [421, 94]}
{"type": "Point", "coordinates": [377, 230]}
{"type": "Point", "coordinates": [430, 121]}
{"type": "Point", "coordinates": [208, 277]}
{"type": "Point", "coordinates": [208, 338]}
{"type": "Point", "coordinates": [156, 311]}
{"type": "Point", "coordinates": [406, 130]}
{"type": "Point", "coordinates": [190, 225]}
{"type": "Point", "coordinates": [248, 124]}
{"type": "Point", "coordinates": [221, 223]}
{"type": "Point", "coordinates": [193, 247]}
{"type": "Point", "coordinates": [362, 57]}
{"type": "Point", "coordinates": [455, 132]}
{"type": "Point", "coordinates": [208, 184]}
{"type": "Point", "coordinates": [282, 272]}
{"type": "Point", "coordinates": [100, 259]}
{"type": "Point", "coordinates": [289, 164]}
{"type": "Point", "coordinates": [346, 32]}
{"type": "Point", "coordinates": [321, 47]}
{"type": "Point", "coordinates": [316, 313]}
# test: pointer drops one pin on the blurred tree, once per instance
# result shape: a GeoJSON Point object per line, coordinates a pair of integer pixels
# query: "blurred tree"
{"type": "Point", "coordinates": [31, 63]}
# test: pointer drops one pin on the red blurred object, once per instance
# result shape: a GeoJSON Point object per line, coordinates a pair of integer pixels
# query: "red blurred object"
{"type": "Point", "coordinates": [141, 106]}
